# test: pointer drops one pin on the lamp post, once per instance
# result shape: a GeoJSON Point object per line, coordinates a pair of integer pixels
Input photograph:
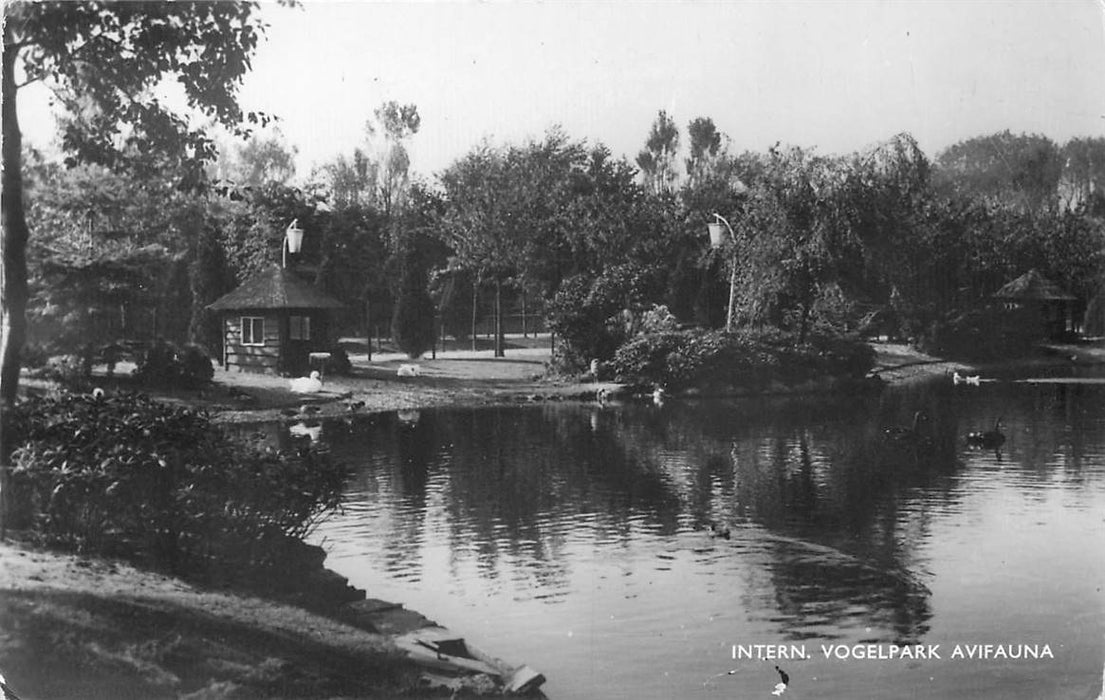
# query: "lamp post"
{"type": "Point", "coordinates": [717, 241]}
{"type": "Point", "coordinates": [293, 241]}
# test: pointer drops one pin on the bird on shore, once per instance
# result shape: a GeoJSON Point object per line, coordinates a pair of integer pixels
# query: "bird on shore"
{"type": "Point", "coordinates": [306, 385]}
{"type": "Point", "coordinates": [784, 679]}
{"type": "Point", "coordinates": [309, 409]}
{"type": "Point", "coordinates": [303, 430]}
{"type": "Point", "coordinates": [354, 406]}
{"type": "Point", "coordinates": [658, 396]}
{"type": "Point", "coordinates": [988, 439]}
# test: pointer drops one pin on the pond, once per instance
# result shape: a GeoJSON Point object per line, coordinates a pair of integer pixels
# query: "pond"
{"type": "Point", "coordinates": [686, 550]}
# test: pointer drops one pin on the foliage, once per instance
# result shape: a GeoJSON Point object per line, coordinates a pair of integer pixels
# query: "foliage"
{"type": "Point", "coordinates": [592, 316]}
{"type": "Point", "coordinates": [748, 359]}
{"type": "Point", "coordinates": [412, 325]}
{"type": "Point", "coordinates": [984, 333]}
{"type": "Point", "coordinates": [1020, 172]}
{"type": "Point", "coordinates": [102, 62]}
{"type": "Point", "coordinates": [339, 361]}
{"type": "Point", "coordinates": [165, 365]}
{"type": "Point", "coordinates": [125, 474]}
{"type": "Point", "coordinates": [657, 160]}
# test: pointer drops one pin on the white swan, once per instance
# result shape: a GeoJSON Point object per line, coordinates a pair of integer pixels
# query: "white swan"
{"type": "Point", "coordinates": [306, 385]}
{"type": "Point", "coordinates": [409, 371]}
{"type": "Point", "coordinates": [973, 380]}
{"type": "Point", "coordinates": [658, 396]}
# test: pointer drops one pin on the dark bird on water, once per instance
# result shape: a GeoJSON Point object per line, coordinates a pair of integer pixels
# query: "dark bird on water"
{"type": "Point", "coordinates": [914, 435]}
{"type": "Point", "coordinates": [355, 406]}
{"type": "Point", "coordinates": [988, 439]}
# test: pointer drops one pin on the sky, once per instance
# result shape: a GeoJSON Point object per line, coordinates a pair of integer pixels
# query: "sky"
{"type": "Point", "coordinates": [833, 76]}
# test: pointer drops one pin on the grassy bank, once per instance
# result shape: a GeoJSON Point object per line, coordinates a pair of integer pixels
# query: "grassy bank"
{"type": "Point", "coordinates": [74, 627]}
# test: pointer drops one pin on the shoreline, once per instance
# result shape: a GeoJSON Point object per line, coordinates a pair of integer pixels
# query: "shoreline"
{"type": "Point", "coordinates": [97, 627]}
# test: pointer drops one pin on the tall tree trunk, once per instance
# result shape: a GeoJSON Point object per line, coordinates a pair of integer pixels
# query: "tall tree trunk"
{"type": "Point", "coordinates": [499, 352]}
{"type": "Point", "coordinates": [13, 249]}
{"type": "Point", "coordinates": [13, 270]}
{"type": "Point", "coordinates": [475, 305]}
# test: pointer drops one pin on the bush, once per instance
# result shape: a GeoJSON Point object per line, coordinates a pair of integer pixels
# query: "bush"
{"type": "Point", "coordinates": [127, 475]}
{"type": "Point", "coordinates": [412, 322]}
{"type": "Point", "coordinates": [986, 333]}
{"type": "Point", "coordinates": [339, 361]}
{"type": "Point", "coordinates": [752, 359]}
{"type": "Point", "coordinates": [66, 369]}
{"type": "Point", "coordinates": [593, 316]}
{"type": "Point", "coordinates": [165, 365]}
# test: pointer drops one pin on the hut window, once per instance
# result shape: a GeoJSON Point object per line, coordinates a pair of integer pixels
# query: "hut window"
{"type": "Point", "coordinates": [253, 330]}
{"type": "Point", "coordinates": [299, 327]}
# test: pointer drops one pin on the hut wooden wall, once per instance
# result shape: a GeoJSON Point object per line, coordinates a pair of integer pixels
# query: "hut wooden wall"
{"type": "Point", "coordinates": [252, 358]}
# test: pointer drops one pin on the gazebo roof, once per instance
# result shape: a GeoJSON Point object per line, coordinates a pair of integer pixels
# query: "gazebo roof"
{"type": "Point", "coordinates": [1032, 286]}
{"type": "Point", "coordinates": [275, 288]}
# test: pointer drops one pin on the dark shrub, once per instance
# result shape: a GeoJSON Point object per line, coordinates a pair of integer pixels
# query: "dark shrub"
{"type": "Point", "coordinates": [412, 322]}
{"type": "Point", "coordinates": [592, 316]}
{"type": "Point", "coordinates": [195, 365]}
{"type": "Point", "coordinates": [751, 359]}
{"type": "Point", "coordinates": [127, 475]}
{"type": "Point", "coordinates": [983, 334]}
{"type": "Point", "coordinates": [165, 365]}
{"type": "Point", "coordinates": [339, 361]}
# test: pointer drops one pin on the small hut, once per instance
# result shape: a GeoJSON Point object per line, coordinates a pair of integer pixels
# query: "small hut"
{"type": "Point", "coordinates": [273, 322]}
{"type": "Point", "coordinates": [1046, 303]}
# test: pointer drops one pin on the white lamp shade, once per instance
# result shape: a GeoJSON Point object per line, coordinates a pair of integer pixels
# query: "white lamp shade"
{"type": "Point", "coordinates": [294, 235]}
{"type": "Point", "coordinates": [717, 235]}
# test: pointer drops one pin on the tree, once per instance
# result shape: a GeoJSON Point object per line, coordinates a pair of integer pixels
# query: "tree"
{"type": "Point", "coordinates": [398, 123]}
{"type": "Point", "coordinates": [261, 160]}
{"type": "Point", "coordinates": [103, 60]}
{"type": "Point", "coordinates": [412, 324]}
{"type": "Point", "coordinates": [1018, 172]}
{"type": "Point", "coordinates": [1083, 182]}
{"type": "Point", "coordinates": [706, 143]}
{"type": "Point", "coordinates": [657, 160]}
{"type": "Point", "coordinates": [479, 219]}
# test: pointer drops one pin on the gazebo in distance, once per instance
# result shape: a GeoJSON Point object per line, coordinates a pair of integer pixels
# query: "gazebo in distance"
{"type": "Point", "coordinates": [273, 322]}
{"type": "Point", "coordinates": [1048, 307]}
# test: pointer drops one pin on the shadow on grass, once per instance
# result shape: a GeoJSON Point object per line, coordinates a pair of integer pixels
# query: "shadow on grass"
{"type": "Point", "coordinates": [80, 645]}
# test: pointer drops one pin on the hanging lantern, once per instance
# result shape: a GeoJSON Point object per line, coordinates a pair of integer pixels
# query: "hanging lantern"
{"type": "Point", "coordinates": [717, 235]}
{"type": "Point", "coordinates": [294, 235]}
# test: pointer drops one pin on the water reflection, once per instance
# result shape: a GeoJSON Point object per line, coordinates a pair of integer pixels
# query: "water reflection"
{"type": "Point", "coordinates": [835, 533]}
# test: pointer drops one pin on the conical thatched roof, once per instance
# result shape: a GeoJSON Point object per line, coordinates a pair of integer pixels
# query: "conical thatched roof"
{"type": "Point", "coordinates": [276, 288]}
{"type": "Point", "coordinates": [1032, 286]}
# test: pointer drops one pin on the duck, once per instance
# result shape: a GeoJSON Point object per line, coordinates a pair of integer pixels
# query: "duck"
{"type": "Point", "coordinates": [409, 371]}
{"type": "Point", "coordinates": [306, 385]}
{"type": "Point", "coordinates": [354, 406]}
{"type": "Point", "coordinates": [289, 412]}
{"type": "Point", "coordinates": [719, 531]}
{"type": "Point", "coordinates": [97, 394]}
{"type": "Point", "coordinates": [989, 439]}
{"type": "Point", "coordinates": [309, 409]}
